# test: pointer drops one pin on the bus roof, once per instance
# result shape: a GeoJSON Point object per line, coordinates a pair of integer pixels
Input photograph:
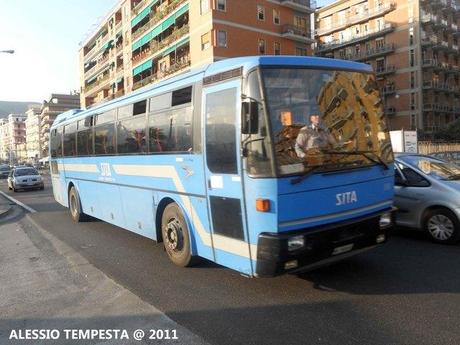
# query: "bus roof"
{"type": "Point", "coordinates": [247, 63]}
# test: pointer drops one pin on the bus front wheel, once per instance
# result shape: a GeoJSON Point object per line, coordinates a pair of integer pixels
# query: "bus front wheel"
{"type": "Point", "coordinates": [75, 207]}
{"type": "Point", "coordinates": [176, 236]}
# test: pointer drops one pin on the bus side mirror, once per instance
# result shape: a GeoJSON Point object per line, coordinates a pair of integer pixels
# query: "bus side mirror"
{"type": "Point", "coordinates": [249, 117]}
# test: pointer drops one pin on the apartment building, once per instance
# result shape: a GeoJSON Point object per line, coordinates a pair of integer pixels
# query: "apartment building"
{"type": "Point", "coordinates": [413, 48]}
{"type": "Point", "coordinates": [143, 41]}
{"type": "Point", "coordinates": [33, 151]}
{"type": "Point", "coordinates": [12, 136]}
{"type": "Point", "coordinates": [57, 104]}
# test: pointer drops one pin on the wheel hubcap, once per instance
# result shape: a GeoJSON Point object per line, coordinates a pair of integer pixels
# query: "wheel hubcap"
{"type": "Point", "coordinates": [441, 227]}
{"type": "Point", "coordinates": [174, 235]}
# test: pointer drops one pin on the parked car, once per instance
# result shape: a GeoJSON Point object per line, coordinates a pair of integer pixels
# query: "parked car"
{"type": "Point", "coordinates": [24, 178]}
{"type": "Point", "coordinates": [4, 170]}
{"type": "Point", "coordinates": [427, 195]}
{"type": "Point", "coordinates": [449, 156]}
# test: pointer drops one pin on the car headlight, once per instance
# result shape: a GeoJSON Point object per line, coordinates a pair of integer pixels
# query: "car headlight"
{"type": "Point", "coordinates": [296, 242]}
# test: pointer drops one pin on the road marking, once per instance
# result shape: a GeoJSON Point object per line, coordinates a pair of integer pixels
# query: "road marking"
{"type": "Point", "coordinates": [28, 208]}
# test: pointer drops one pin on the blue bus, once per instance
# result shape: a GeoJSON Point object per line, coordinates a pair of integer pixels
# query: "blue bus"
{"type": "Point", "coordinates": [221, 162]}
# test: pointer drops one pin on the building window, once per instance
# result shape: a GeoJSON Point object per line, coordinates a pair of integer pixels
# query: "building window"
{"type": "Point", "coordinates": [412, 80]}
{"type": "Point", "coordinates": [221, 38]}
{"type": "Point", "coordinates": [277, 48]}
{"type": "Point", "coordinates": [222, 5]}
{"type": "Point", "coordinates": [204, 6]}
{"type": "Point", "coordinates": [261, 47]}
{"type": "Point", "coordinates": [412, 58]}
{"type": "Point", "coordinates": [276, 17]}
{"type": "Point", "coordinates": [300, 51]}
{"type": "Point", "coordinates": [205, 41]}
{"type": "Point", "coordinates": [380, 63]}
{"type": "Point", "coordinates": [300, 22]}
{"type": "Point", "coordinates": [342, 54]}
{"type": "Point", "coordinates": [379, 43]}
{"type": "Point", "coordinates": [260, 12]}
{"type": "Point", "coordinates": [411, 36]}
{"type": "Point", "coordinates": [412, 101]}
{"type": "Point", "coordinates": [413, 122]}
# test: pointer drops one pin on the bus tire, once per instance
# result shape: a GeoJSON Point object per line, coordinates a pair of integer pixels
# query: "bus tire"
{"type": "Point", "coordinates": [75, 207]}
{"type": "Point", "coordinates": [176, 237]}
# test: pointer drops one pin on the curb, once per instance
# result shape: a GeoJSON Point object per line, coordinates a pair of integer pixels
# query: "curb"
{"type": "Point", "coordinates": [4, 211]}
{"type": "Point", "coordinates": [17, 202]}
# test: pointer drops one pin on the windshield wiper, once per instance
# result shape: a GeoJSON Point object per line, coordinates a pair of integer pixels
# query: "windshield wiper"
{"type": "Point", "coordinates": [454, 177]}
{"type": "Point", "coordinates": [305, 174]}
{"type": "Point", "coordinates": [375, 158]}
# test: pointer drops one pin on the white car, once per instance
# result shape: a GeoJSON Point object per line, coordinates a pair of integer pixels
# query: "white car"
{"type": "Point", "coordinates": [25, 178]}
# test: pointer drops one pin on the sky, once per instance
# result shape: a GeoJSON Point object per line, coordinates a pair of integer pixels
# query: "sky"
{"type": "Point", "coordinates": [45, 35]}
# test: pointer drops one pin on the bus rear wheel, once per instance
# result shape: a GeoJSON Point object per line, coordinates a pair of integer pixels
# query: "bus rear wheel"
{"type": "Point", "coordinates": [75, 207]}
{"type": "Point", "coordinates": [176, 236]}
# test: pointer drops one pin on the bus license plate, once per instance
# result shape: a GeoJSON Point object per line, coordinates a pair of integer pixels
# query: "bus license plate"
{"type": "Point", "coordinates": [342, 249]}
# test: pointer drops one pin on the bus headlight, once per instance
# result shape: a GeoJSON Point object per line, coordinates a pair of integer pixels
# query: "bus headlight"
{"type": "Point", "coordinates": [385, 220]}
{"type": "Point", "coordinates": [296, 242]}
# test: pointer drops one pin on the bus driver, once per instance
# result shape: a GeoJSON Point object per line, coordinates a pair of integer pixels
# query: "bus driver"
{"type": "Point", "coordinates": [313, 136]}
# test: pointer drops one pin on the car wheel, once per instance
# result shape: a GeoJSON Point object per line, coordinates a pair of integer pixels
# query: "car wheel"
{"type": "Point", "coordinates": [75, 207]}
{"type": "Point", "coordinates": [42, 187]}
{"type": "Point", "coordinates": [442, 225]}
{"type": "Point", "coordinates": [176, 236]}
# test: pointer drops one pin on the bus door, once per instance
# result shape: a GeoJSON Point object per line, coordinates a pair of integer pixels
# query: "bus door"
{"type": "Point", "coordinates": [222, 108]}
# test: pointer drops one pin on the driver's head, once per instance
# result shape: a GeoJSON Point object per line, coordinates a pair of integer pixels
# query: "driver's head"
{"type": "Point", "coordinates": [314, 119]}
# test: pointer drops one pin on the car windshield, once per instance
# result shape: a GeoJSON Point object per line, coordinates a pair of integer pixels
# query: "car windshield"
{"type": "Point", "coordinates": [25, 172]}
{"type": "Point", "coordinates": [4, 168]}
{"type": "Point", "coordinates": [433, 167]}
{"type": "Point", "coordinates": [325, 119]}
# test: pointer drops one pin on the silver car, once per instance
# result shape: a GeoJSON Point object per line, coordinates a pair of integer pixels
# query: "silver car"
{"type": "Point", "coordinates": [24, 178]}
{"type": "Point", "coordinates": [427, 195]}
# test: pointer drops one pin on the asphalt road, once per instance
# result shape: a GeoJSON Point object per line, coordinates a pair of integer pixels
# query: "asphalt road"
{"type": "Point", "coordinates": [406, 292]}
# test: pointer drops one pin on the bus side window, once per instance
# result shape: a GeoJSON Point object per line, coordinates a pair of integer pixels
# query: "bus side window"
{"type": "Point", "coordinates": [171, 131]}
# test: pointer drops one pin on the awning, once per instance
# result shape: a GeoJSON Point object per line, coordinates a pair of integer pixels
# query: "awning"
{"type": "Point", "coordinates": [141, 16]}
{"type": "Point", "coordinates": [181, 11]}
{"type": "Point", "coordinates": [107, 45]}
{"type": "Point", "coordinates": [176, 46]}
{"type": "Point", "coordinates": [91, 80]}
{"type": "Point", "coordinates": [160, 28]}
{"type": "Point", "coordinates": [168, 22]}
{"type": "Point", "coordinates": [143, 67]}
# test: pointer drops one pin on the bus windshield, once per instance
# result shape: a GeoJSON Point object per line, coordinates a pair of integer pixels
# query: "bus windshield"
{"type": "Point", "coordinates": [325, 120]}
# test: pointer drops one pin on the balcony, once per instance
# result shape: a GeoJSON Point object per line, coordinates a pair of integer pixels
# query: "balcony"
{"type": "Point", "coordinates": [358, 18]}
{"type": "Point", "coordinates": [296, 33]}
{"type": "Point", "coordinates": [441, 45]}
{"type": "Point", "coordinates": [385, 70]}
{"type": "Point", "coordinates": [388, 89]}
{"type": "Point", "coordinates": [180, 65]}
{"type": "Point", "coordinates": [136, 9]}
{"type": "Point", "coordinates": [326, 47]}
{"type": "Point", "coordinates": [97, 83]}
{"type": "Point", "coordinates": [433, 107]}
{"type": "Point", "coordinates": [305, 6]}
{"type": "Point", "coordinates": [155, 46]}
{"type": "Point", "coordinates": [372, 53]}
{"type": "Point", "coordinates": [438, 86]}
{"type": "Point", "coordinates": [157, 17]}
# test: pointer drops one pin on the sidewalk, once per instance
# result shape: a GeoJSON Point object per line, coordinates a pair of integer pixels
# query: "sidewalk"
{"type": "Point", "coordinates": [46, 285]}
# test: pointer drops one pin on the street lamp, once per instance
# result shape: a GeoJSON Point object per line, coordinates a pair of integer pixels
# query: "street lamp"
{"type": "Point", "coordinates": [10, 51]}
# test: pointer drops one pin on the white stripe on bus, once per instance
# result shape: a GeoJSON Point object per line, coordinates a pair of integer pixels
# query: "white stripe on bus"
{"type": "Point", "coordinates": [224, 243]}
{"type": "Point", "coordinates": [90, 168]}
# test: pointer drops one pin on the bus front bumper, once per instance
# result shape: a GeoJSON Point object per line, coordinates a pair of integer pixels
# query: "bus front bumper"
{"type": "Point", "coordinates": [310, 248]}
